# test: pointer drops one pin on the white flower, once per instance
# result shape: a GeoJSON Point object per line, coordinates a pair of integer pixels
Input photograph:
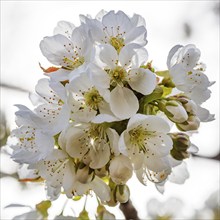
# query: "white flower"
{"type": "Point", "coordinates": [166, 210]}
{"type": "Point", "coordinates": [59, 171]}
{"type": "Point", "coordinates": [178, 175]}
{"type": "Point", "coordinates": [86, 100]}
{"type": "Point", "coordinates": [91, 143]}
{"type": "Point", "coordinates": [120, 70]}
{"type": "Point", "coordinates": [53, 108]}
{"type": "Point", "coordinates": [146, 143]}
{"type": "Point", "coordinates": [30, 138]}
{"type": "Point", "coordinates": [120, 169]}
{"type": "Point", "coordinates": [117, 29]}
{"type": "Point", "coordinates": [71, 54]}
{"type": "Point", "coordinates": [187, 74]}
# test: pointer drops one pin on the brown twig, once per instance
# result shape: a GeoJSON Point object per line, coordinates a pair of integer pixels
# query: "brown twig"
{"type": "Point", "coordinates": [12, 87]}
{"type": "Point", "coordinates": [129, 211]}
{"type": "Point", "coordinates": [216, 157]}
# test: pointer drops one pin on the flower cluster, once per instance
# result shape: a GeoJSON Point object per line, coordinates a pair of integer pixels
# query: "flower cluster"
{"type": "Point", "coordinates": [104, 113]}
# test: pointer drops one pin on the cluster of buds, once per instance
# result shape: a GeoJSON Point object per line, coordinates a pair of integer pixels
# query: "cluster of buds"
{"type": "Point", "coordinates": [104, 112]}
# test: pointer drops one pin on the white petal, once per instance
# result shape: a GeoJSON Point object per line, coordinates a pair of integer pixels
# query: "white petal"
{"type": "Point", "coordinates": [100, 156]}
{"type": "Point", "coordinates": [157, 164]}
{"type": "Point", "coordinates": [140, 58]}
{"type": "Point", "coordinates": [138, 20]}
{"type": "Point", "coordinates": [53, 193]}
{"type": "Point", "coordinates": [160, 145]}
{"type": "Point", "coordinates": [179, 174]}
{"type": "Point", "coordinates": [189, 56]}
{"type": "Point", "coordinates": [69, 179]}
{"type": "Point", "coordinates": [120, 169]}
{"type": "Point", "coordinates": [81, 39]}
{"type": "Point", "coordinates": [141, 175]}
{"type": "Point", "coordinates": [60, 75]}
{"type": "Point", "coordinates": [137, 36]}
{"type": "Point", "coordinates": [204, 114]}
{"type": "Point", "coordinates": [100, 118]}
{"type": "Point", "coordinates": [199, 95]}
{"type": "Point", "coordinates": [141, 80]}
{"type": "Point", "coordinates": [172, 56]}
{"type": "Point", "coordinates": [122, 143]}
{"type": "Point", "coordinates": [155, 123]}
{"type": "Point", "coordinates": [113, 139]}
{"type": "Point", "coordinates": [44, 142]}
{"type": "Point", "coordinates": [84, 115]}
{"type": "Point", "coordinates": [100, 14]}
{"type": "Point", "coordinates": [126, 54]}
{"type": "Point", "coordinates": [108, 55]}
{"type": "Point", "coordinates": [123, 102]}
{"type": "Point", "coordinates": [53, 48]}
{"type": "Point", "coordinates": [160, 187]}
{"type": "Point", "coordinates": [135, 120]}
{"type": "Point", "coordinates": [53, 167]}
{"type": "Point", "coordinates": [114, 20]}
{"type": "Point", "coordinates": [75, 146]}
{"type": "Point", "coordinates": [65, 28]}
{"type": "Point", "coordinates": [81, 83]}
{"type": "Point", "coordinates": [24, 116]}
{"type": "Point", "coordinates": [101, 189]}
{"type": "Point", "coordinates": [137, 160]}
{"type": "Point", "coordinates": [99, 77]}
{"type": "Point", "coordinates": [193, 149]}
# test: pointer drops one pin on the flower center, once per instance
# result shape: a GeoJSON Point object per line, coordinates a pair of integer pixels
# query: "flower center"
{"type": "Point", "coordinates": [71, 64]}
{"type": "Point", "coordinates": [117, 43]}
{"type": "Point", "coordinates": [139, 137]}
{"type": "Point", "coordinates": [92, 98]}
{"type": "Point", "coordinates": [117, 76]}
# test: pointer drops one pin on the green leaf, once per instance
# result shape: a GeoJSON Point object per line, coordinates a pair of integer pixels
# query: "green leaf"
{"type": "Point", "coordinates": [164, 73]}
{"type": "Point", "coordinates": [43, 207]}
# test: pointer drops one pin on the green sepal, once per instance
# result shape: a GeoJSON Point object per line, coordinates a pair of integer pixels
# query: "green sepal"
{"type": "Point", "coordinates": [84, 215]}
{"type": "Point", "coordinates": [156, 94]}
{"type": "Point", "coordinates": [77, 198]}
{"type": "Point", "coordinates": [43, 207]}
{"type": "Point", "coordinates": [166, 90]}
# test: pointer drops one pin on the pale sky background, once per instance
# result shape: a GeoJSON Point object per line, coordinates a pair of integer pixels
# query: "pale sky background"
{"type": "Point", "coordinates": [25, 23]}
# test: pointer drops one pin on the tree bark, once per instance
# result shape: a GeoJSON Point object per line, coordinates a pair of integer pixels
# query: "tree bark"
{"type": "Point", "coordinates": [129, 211]}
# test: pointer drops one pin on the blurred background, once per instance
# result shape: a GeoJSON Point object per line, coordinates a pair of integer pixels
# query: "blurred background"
{"type": "Point", "coordinates": [24, 24]}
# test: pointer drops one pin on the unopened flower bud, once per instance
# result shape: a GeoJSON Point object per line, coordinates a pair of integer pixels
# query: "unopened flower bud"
{"type": "Point", "coordinates": [189, 105]}
{"type": "Point", "coordinates": [181, 143]}
{"type": "Point", "coordinates": [120, 169]}
{"type": "Point", "coordinates": [191, 124]}
{"type": "Point", "coordinates": [84, 174]}
{"type": "Point", "coordinates": [175, 112]}
{"type": "Point", "coordinates": [122, 193]}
